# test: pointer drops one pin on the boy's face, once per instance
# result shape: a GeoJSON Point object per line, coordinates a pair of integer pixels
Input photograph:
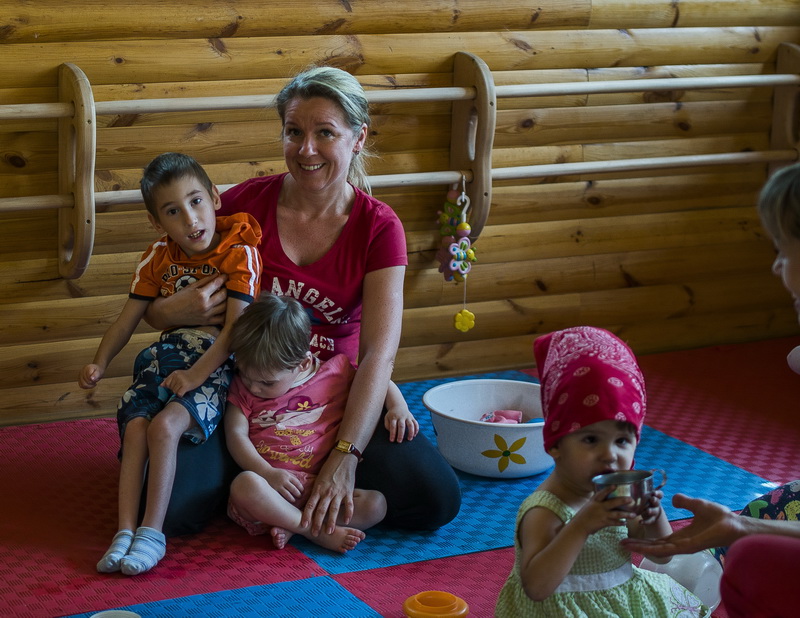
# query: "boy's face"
{"type": "Point", "coordinates": [267, 384]}
{"type": "Point", "coordinates": [186, 212]}
{"type": "Point", "coordinates": [787, 266]}
{"type": "Point", "coordinates": [599, 448]}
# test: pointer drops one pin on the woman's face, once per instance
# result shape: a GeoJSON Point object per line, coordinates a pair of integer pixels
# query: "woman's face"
{"type": "Point", "coordinates": [318, 143]}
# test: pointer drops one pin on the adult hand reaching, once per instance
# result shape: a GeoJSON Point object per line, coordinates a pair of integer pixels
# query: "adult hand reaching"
{"type": "Point", "coordinates": [713, 525]}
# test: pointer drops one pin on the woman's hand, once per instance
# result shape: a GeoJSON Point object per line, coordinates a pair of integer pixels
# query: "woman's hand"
{"type": "Point", "coordinates": [400, 424]}
{"type": "Point", "coordinates": [332, 494]}
{"type": "Point", "coordinates": [203, 303]}
{"type": "Point", "coordinates": [713, 525]}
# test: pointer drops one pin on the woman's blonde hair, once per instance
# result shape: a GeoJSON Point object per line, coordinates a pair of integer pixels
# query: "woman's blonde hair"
{"type": "Point", "coordinates": [779, 203]}
{"type": "Point", "coordinates": [272, 334]}
{"type": "Point", "coordinates": [343, 89]}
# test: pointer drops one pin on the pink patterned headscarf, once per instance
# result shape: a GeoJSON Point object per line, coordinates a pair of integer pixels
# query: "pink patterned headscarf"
{"type": "Point", "coordinates": [588, 375]}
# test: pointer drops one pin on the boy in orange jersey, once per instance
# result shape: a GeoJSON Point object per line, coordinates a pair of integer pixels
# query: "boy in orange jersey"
{"type": "Point", "coordinates": [180, 382]}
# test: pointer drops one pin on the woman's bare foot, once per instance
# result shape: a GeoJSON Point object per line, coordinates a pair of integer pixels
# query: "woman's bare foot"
{"type": "Point", "coordinates": [343, 539]}
{"type": "Point", "coordinates": [280, 536]}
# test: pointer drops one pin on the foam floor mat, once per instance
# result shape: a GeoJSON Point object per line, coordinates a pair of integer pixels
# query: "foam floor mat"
{"type": "Point", "coordinates": [489, 506]}
{"type": "Point", "coordinates": [306, 598]}
{"type": "Point", "coordinates": [713, 435]}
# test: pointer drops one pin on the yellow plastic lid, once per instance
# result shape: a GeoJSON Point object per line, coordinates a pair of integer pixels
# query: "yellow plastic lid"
{"type": "Point", "coordinates": [435, 604]}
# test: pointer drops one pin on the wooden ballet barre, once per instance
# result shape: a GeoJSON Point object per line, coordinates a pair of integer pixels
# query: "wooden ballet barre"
{"type": "Point", "coordinates": [633, 165]}
{"type": "Point", "coordinates": [36, 202]}
{"type": "Point", "coordinates": [27, 111]}
{"type": "Point", "coordinates": [193, 104]}
{"type": "Point", "coordinates": [201, 104]}
{"type": "Point", "coordinates": [134, 196]}
{"type": "Point", "coordinates": [636, 85]}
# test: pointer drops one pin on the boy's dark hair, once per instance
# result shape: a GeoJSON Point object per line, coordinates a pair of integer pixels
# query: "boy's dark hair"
{"type": "Point", "coordinates": [779, 203]}
{"type": "Point", "coordinates": [273, 333]}
{"type": "Point", "coordinates": [167, 168]}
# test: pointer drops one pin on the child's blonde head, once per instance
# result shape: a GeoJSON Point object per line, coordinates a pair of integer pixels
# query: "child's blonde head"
{"type": "Point", "coordinates": [779, 203]}
{"type": "Point", "coordinates": [272, 334]}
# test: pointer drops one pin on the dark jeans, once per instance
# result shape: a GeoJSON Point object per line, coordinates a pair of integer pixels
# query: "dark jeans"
{"type": "Point", "coordinates": [422, 490]}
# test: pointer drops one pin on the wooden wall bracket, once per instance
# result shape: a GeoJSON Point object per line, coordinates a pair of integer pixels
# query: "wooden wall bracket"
{"type": "Point", "coordinates": [785, 132]}
{"type": "Point", "coordinates": [76, 156]}
{"type": "Point", "coordinates": [472, 135]}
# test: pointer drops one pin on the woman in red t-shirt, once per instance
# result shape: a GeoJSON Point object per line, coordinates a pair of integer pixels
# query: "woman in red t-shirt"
{"type": "Point", "coordinates": [342, 254]}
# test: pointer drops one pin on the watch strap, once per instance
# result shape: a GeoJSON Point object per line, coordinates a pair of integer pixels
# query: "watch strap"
{"type": "Point", "coordinates": [348, 447]}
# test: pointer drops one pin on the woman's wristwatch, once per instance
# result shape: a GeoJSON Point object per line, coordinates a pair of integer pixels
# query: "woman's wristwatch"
{"type": "Point", "coordinates": [348, 447]}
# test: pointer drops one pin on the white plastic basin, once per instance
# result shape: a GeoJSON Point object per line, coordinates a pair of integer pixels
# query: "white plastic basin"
{"type": "Point", "coordinates": [495, 450]}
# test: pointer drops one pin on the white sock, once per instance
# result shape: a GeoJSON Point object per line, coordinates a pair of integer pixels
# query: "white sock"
{"type": "Point", "coordinates": [148, 547]}
{"type": "Point", "coordinates": [120, 545]}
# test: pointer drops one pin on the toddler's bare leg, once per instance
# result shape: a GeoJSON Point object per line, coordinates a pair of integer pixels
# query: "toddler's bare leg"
{"type": "Point", "coordinates": [369, 508]}
{"type": "Point", "coordinates": [255, 499]}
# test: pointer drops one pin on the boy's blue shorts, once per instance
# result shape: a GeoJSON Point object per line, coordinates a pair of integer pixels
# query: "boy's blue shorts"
{"type": "Point", "coordinates": [176, 349]}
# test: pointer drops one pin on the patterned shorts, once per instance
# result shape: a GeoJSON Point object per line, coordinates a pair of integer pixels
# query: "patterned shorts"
{"type": "Point", "coordinates": [176, 349]}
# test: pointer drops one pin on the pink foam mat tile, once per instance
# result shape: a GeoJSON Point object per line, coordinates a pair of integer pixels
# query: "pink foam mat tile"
{"type": "Point", "coordinates": [476, 578]}
{"type": "Point", "coordinates": [736, 402]}
{"type": "Point", "coordinates": [59, 516]}
{"type": "Point", "coordinates": [51, 581]}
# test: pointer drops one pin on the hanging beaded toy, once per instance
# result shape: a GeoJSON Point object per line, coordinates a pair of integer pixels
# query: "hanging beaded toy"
{"type": "Point", "coordinates": [456, 252]}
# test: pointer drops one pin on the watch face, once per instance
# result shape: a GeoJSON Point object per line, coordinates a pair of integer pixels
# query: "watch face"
{"type": "Point", "coordinates": [344, 446]}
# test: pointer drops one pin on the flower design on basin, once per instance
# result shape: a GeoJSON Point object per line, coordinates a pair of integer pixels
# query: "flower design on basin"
{"type": "Point", "coordinates": [505, 454]}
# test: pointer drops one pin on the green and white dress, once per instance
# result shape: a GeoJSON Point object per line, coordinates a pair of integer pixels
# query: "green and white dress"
{"type": "Point", "coordinates": [602, 582]}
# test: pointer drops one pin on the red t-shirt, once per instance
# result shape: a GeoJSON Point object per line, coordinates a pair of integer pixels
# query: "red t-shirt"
{"type": "Point", "coordinates": [331, 288]}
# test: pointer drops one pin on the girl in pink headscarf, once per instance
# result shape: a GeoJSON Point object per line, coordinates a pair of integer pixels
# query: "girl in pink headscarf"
{"type": "Point", "coordinates": [568, 558]}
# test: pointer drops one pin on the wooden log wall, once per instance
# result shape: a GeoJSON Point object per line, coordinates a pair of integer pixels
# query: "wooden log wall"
{"type": "Point", "coordinates": [669, 260]}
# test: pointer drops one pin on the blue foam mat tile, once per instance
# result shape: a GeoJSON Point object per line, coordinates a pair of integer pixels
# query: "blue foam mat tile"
{"type": "Point", "coordinates": [305, 598]}
{"type": "Point", "coordinates": [485, 521]}
{"type": "Point", "coordinates": [489, 506]}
